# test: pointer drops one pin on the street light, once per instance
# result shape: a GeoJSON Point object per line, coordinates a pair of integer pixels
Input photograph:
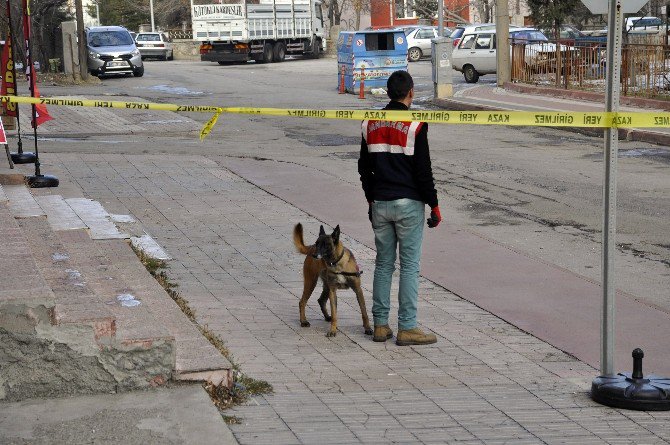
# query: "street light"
{"type": "Point", "coordinates": [151, 9]}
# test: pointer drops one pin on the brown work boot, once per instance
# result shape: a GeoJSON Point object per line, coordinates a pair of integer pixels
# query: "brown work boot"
{"type": "Point", "coordinates": [382, 333]}
{"type": "Point", "coordinates": [414, 336]}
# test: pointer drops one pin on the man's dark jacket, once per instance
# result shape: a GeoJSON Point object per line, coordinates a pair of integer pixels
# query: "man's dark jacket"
{"type": "Point", "coordinates": [393, 167]}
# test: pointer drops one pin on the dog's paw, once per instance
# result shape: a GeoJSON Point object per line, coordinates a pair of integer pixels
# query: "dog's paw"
{"type": "Point", "coordinates": [331, 334]}
{"type": "Point", "coordinates": [368, 331]}
{"type": "Point", "coordinates": [327, 318]}
{"type": "Point", "coordinates": [304, 324]}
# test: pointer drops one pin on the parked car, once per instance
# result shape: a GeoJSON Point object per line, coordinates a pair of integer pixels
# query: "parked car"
{"type": "Point", "coordinates": [112, 50]}
{"type": "Point", "coordinates": [154, 44]}
{"type": "Point", "coordinates": [458, 32]}
{"type": "Point", "coordinates": [569, 35]}
{"type": "Point", "coordinates": [475, 55]}
{"type": "Point", "coordinates": [419, 41]}
{"type": "Point", "coordinates": [540, 55]}
{"type": "Point", "coordinates": [644, 25]}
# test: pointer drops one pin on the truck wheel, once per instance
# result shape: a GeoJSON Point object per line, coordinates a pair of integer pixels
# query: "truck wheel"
{"type": "Point", "coordinates": [279, 52]}
{"type": "Point", "coordinates": [267, 53]}
{"type": "Point", "coordinates": [315, 49]}
{"type": "Point", "coordinates": [470, 73]}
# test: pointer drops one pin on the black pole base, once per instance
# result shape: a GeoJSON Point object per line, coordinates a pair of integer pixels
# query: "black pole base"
{"type": "Point", "coordinates": [651, 393]}
{"type": "Point", "coordinates": [25, 157]}
{"type": "Point", "coordinates": [41, 181]}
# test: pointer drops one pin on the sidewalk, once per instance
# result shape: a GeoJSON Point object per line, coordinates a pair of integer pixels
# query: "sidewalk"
{"type": "Point", "coordinates": [519, 97]}
{"type": "Point", "coordinates": [227, 224]}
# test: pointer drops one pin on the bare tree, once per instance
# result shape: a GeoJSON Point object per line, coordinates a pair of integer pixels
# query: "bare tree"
{"type": "Point", "coordinates": [46, 15]}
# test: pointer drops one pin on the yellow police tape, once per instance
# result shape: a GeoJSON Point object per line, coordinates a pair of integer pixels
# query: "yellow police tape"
{"type": "Point", "coordinates": [516, 118]}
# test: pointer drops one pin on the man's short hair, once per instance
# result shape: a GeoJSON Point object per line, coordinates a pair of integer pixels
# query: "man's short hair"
{"type": "Point", "coordinates": [399, 84]}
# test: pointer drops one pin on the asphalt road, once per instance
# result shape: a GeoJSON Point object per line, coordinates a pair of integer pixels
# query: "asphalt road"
{"type": "Point", "coordinates": [536, 190]}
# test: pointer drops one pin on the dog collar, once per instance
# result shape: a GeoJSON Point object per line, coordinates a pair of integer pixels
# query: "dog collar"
{"type": "Point", "coordinates": [337, 260]}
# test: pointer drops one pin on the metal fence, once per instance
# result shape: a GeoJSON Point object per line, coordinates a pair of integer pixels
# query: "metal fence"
{"type": "Point", "coordinates": [645, 69]}
{"type": "Point", "coordinates": [179, 33]}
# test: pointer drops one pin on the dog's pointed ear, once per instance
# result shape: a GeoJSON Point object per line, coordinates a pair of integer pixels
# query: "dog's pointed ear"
{"type": "Point", "coordinates": [336, 234]}
{"type": "Point", "coordinates": [321, 231]}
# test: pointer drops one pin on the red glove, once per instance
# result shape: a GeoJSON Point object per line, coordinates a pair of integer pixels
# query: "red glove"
{"type": "Point", "coordinates": [435, 217]}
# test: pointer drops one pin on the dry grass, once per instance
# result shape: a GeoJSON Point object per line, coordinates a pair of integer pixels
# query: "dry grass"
{"type": "Point", "coordinates": [222, 396]}
{"type": "Point", "coordinates": [62, 79]}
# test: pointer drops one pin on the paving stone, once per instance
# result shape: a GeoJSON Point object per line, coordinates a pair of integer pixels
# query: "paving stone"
{"type": "Point", "coordinates": [59, 214]}
{"type": "Point", "coordinates": [22, 203]}
{"type": "Point", "coordinates": [485, 381]}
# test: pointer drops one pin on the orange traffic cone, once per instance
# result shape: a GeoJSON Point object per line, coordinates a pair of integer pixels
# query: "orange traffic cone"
{"type": "Point", "coordinates": [361, 92]}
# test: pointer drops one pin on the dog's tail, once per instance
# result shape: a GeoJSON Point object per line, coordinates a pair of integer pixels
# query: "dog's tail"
{"type": "Point", "coordinates": [298, 241]}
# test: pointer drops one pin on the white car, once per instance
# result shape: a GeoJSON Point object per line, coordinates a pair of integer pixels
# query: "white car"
{"type": "Point", "coordinates": [419, 41]}
{"type": "Point", "coordinates": [475, 54]}
{"type": "Point", "coordinates": [154, 44]}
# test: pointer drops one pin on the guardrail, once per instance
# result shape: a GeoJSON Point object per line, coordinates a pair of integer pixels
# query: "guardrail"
{"type": "Point", "coordinates": [645, 70]}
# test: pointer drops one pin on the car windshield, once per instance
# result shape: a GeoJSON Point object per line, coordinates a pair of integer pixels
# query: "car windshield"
{"type": "Point", "coordinates": [148, 38]}
{"type": "Point", "coordinates": [109, 38]}
{"type": "Point", "coordinates": [528, 36]}
{"type": "Point", "coordinates": [457, 33]}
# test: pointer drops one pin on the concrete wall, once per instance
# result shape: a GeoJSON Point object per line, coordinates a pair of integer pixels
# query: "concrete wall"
{"type": "Point", "coordinates": [186, 49]}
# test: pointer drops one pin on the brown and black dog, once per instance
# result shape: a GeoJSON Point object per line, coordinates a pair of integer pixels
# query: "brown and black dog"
{"type": "Point", "coordinates": [329, 260]}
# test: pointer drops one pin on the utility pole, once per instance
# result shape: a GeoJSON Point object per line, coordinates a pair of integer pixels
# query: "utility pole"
{"type": "Point", "coordinates": [502, 42]}
{"type": "Point", "coordinates": [151, 10]}
{"type": "Point", "coordinates": [81, 41]}
{"type": "Point", "coordinates": [440, 18]}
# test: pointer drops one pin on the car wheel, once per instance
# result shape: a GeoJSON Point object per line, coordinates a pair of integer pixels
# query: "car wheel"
{"type": "Point", "coordinates": [279, 52]}
{"type": "Point", "coordinates": [138, 72]}
{"type": "Point", "coordinates": [470, 73]}
{"type": "Point", "coordinates": [414, 54]}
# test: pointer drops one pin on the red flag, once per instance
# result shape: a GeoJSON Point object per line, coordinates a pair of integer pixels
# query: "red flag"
{"type": "Point", "coordinates": [3, 136]}
{"type": "Point", "coordinates": [40, 114]}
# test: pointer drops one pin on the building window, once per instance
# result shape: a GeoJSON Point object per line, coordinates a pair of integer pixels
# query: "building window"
{"type": "Point", "coordinates": [404, 9]}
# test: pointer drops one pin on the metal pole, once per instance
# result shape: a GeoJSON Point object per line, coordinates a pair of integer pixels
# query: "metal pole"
{"type": "Point", "coordinates": [151, 8]}
{"type": "Point", "coordinates": [615, 25]}
{"type": "Point", "coordinates": [440, 18]}
{"type": "Point", "coordinates": [97, 13]}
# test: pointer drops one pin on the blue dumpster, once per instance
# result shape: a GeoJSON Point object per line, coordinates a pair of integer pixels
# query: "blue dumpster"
{"type": "Point", "coordinates": [379, 52]}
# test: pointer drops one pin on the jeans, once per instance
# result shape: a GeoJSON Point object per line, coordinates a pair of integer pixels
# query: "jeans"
{"type": "Point", "coordinates": [397, 223]}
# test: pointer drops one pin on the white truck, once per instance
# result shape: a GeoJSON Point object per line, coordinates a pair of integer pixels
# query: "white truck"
{"type": "Point", "coordinates": [261, 30]}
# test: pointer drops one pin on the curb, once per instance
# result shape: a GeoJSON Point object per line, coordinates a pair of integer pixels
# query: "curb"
{"type": "Point", "coordinates": [626, 134]}
{"type": "Point", "coordinates": [639, 102]}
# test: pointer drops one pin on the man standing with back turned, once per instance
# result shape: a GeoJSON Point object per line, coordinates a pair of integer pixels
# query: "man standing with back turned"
{"type": "Point", "coordinates": [398, 181]}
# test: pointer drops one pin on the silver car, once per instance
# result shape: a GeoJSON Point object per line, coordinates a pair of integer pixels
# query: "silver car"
{"type": "Point", "coordinates": [419, 41]}
{"type": "Point", "coordinates": [111, 50]}
{"type": "Point", "coordinates": [154, 44]}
